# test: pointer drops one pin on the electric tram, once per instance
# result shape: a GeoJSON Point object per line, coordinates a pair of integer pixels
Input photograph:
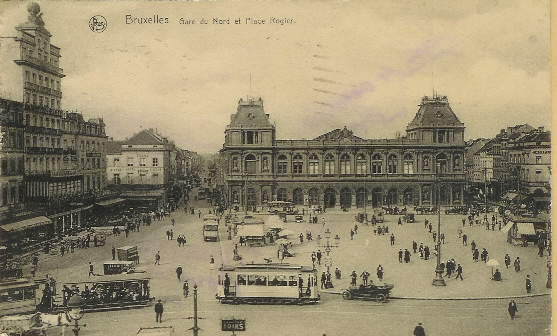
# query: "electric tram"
{"type": "Point", "coordinates": [267, 284]}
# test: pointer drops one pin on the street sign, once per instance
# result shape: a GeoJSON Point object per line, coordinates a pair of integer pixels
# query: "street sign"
{"type": "Point", "coordinates": [233, 325]}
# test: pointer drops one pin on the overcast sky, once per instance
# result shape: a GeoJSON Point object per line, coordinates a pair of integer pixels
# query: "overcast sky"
{"type": "Point", "coordinates": [361, 65]}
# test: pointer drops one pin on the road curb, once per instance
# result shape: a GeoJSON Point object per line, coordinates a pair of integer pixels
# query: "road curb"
{"type": "Point", "coordinates": [455, 299]}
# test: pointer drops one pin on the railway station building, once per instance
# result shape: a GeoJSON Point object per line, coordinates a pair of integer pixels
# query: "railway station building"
{"type": "Point", "coordinates": [339, 169]}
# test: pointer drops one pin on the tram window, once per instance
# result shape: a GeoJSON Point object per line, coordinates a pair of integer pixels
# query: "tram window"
{"type": "Point", "coordinates": [277, 280]}
{"type": "Point", "coordinates": [241, 280]}
{"type": "Point", "coordinates": [257, 280]}
{"type": "Point", "coordinates": [12, 295]}
{"type": "Point", "coordinates": [29, 293]}
{"type": "Point", "coordinates": [292, 281]}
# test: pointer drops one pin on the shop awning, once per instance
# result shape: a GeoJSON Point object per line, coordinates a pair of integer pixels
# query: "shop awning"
{"type": "Point", "coordinates": [250, 231]}
{"type": "Point", "coordinates": [542, 199]}
{"type": "Point", "coordinates": [26, 224]}
{"type": "Point", "coordinates": [526, 228]}
{"type": "Point", "coordinates": [110, 202]}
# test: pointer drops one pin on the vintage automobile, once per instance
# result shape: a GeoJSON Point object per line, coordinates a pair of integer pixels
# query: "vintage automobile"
{"type": "Point", "coordinates": [361, 217]}
{"type": "Point", "coordinates": [299, 218]}
{"type": "Point", "coordinates": [409, 217]}
{"type": "Point", "coordinates": [379, 293]}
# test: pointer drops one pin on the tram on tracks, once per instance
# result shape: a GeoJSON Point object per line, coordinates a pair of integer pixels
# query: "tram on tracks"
{"type": "Point", "coordinates": [18, 296]}
{"type": "Point", "coordinates": [111, 292]}
{"type": "Point", "coordinates": [267, 284]}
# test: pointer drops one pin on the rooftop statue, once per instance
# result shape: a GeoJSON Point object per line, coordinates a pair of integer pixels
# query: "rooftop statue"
{"type": "Point", "coordinates": [34, 14]}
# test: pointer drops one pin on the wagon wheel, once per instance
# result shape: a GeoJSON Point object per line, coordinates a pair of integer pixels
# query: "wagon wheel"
{"type": "Point", "coordinates": [347, 295]}
{"type": "Point", "coordinates": [380, 298]}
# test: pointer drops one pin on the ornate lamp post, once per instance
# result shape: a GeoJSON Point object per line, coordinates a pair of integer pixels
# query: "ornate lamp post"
{"type": "Point", "coordinates": [328, 259]}
{"type": "Point", "coordinates": [438, 280]}
{"type": "Point", "coordinates": [75, 311]}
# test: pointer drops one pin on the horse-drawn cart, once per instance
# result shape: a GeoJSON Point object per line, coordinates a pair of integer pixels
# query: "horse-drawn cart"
{"type": "Point", "coordinates": [22, 325]}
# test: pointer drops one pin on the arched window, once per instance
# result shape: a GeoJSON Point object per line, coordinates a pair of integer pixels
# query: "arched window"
{"type": "Point", "coordinates": [249, 164]}
{"type": "Point", "coordinates": [298, 196]}
{"type": "Point", "coordinates": [361, 165]}
{"type": "Point", "coordinates": [392, 164]}
{"type": "Point", "coordinates": [282, 164]}
{"type": "Point", "coordinates": [441, 163]}
{"type": "Point", "coordinates": [408, 164]}
{"type": "Point", "coordinates": [376, 164]}
{"type": "Point", "coordinates": [345, 164]}
{"type": "Point", "coordinates": [297, 164]}
{"type": "Point", "coordinates": [281, 195]}
{"type": "Point", "coordinates": [313, 164]}
{"type": "Point", "coordinates": [329, 164]}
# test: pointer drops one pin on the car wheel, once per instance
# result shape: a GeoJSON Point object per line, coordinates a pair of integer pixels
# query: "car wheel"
{"type": "Point", "coordinates": [347, 295]}
{"type": "Point", "coordinates": [380, 298]}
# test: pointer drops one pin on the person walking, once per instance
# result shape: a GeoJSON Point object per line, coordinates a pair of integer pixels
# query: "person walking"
{"type": "Point", "coordinates": [517, 264]}
{"type": "Point", "coordinates": [406, 256]}
{"type": "Point", "coordinates": [465, 240]}
{"type": "Point", "coordinates": [380, 273]}
{"type": "Point", "coordinates": [313, 259]}
{"type": "Point", "coordinates": [513, 309]}
{"type": "Point", "coordinates": [159, 309]}
{"type": "Point", "coordinates": [91, 269]}
{"type": "Point", "coordinates": [419, 330]}
{"type": "Point", "coordinates": [319, 256]}
{"type": "Point", "coordinates": [113, 253]}
{"type": "Point", "coordinates": [442, 238]}
{"type": "Point", "coordinates": [356, 229]}
{"type": "Point", "coordinates": [414, 246]}
{"type": "Point", "coordinates": [400, 253]}
{"type": "Point", "coordinates": [323, 280]}
{"type": "Point", "coordinates": [528, 284]}
{"type": "Point", "coordinates": [459, 272]}
{"type": "Point", "coordinates": [351, 234]}
{"type": "Point", "coordinates": [179, 272]}
{"type": "Point", "coordinates": [353, 277]}
{"type": "Point", "coordinates": [392, 239]}
{"type": "Point", "coordinates": [507, 260]}
{"type": "Point", "coordinates": [365, 276]}
{"type": "Point", "coordinates": [186, 288]}
{"type": "Point", "coordinates": [158, 258]}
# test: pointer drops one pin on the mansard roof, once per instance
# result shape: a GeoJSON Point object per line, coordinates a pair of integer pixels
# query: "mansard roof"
{"type": "Point", "coordinates": [338, 134]}
{"type": "Point", "coordinates": [250, 114]}
{"type": "Point", "coordinates": [435, 112]}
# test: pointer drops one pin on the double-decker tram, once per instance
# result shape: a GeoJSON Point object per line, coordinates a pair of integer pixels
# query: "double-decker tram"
{"type": "Point", "coordinates": [109, 292]}
{"type": "Point", "coordinates": [267, 284]}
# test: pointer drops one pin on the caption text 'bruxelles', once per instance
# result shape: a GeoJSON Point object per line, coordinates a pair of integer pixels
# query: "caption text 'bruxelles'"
{"type": "Point", "coordinates": [156, 19]}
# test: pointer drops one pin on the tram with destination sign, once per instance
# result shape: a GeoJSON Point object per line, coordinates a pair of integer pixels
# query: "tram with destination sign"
{"type": "Point", "coordinates": [267, 284]}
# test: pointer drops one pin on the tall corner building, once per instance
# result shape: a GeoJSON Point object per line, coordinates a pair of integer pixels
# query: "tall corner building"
{"type": "Point", "coordinates": [54, 168]}
{"type": "Point", "coordinates": [37, 80]}
{"type": "Point", "coordinates": [339, 169]}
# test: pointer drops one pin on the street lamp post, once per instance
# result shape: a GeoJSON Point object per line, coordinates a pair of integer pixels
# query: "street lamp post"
{"type": "Point", "coordinates": [328, 259]}
{"type": "Point", "coordinates": [75, 311]}
{"type": "Point", "coordinates": [438, 280]}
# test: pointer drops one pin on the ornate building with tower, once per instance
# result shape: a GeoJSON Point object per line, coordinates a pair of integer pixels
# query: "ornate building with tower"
{"type": "Point", "coordinates": [341, 170]}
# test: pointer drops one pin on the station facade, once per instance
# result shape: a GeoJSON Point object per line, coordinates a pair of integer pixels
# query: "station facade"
{"type": "Point", "coordinates": [341, 170]}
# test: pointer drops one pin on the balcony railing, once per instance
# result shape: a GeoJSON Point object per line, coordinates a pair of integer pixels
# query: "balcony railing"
{"type": "Point", "coordinates": [36, 61]}
{"type": "Point", "coordinates": [44, 150]}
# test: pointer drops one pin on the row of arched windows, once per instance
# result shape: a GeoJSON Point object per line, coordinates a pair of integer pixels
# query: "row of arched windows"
{"type": "Point", "coordinates": [392, 165]}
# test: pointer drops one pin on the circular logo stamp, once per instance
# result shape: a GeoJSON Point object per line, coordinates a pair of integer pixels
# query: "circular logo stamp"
{"type": "Point", "coordinates": [97, 24]}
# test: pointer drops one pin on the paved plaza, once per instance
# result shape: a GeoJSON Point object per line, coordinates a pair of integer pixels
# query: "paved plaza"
{"type": "Point", "coordinates": [476, 304]}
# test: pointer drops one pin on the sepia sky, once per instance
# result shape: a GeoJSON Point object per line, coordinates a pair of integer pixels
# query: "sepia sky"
{"type": "Point", "coordinates": [356, 64]}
